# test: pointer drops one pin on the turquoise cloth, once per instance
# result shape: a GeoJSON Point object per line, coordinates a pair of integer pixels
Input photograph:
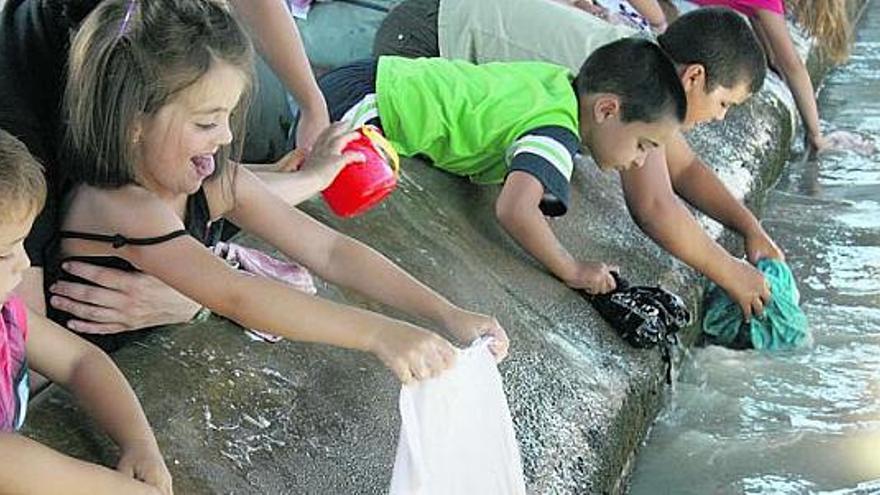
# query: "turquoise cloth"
{"type": "Point", "coordinates": [783, 326]}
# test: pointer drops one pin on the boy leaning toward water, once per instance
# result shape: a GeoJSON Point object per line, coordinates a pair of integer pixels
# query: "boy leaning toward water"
{"type": "Point", "coordinates": [30, 340]}
{"type": "Point", "coordinates": [521, 124]}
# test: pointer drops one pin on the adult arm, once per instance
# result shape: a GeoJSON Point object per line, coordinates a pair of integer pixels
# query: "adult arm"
{"type": "Point", "coordinates": [651, 11]}
{"type": "Point", "coordinates": [278, 39]}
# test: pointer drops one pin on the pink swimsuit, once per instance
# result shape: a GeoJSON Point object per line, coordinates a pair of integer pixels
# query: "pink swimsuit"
{"type": "Point", "coordinates": [746, 7]}
{"type": "Point", "coordinates": [14, 389]}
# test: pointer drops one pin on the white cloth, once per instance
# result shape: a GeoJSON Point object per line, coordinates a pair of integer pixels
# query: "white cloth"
{"type": "Point", "coordinates": [456, 434]}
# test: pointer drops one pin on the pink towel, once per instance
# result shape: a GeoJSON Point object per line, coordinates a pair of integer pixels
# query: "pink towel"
{"type": "Point", "coordinates": [258, 263]}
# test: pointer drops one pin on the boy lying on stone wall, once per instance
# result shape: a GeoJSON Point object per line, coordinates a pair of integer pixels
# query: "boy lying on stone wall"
{"type": "Point", "coordinates": [521, 123]}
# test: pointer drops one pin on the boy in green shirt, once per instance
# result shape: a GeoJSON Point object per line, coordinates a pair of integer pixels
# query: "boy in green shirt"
{"type": "Point", "coordinates": [521, 123]}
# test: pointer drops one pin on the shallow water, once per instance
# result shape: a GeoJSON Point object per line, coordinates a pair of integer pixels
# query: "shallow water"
{"type": "Point", "coordinates": [806, 421]}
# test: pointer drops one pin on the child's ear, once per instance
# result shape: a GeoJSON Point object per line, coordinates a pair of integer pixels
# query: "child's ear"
{"type": "Point", "coordinates": [137, 130]}
{"type": "Point", "coordinates": [694, 77]}
{"type": "Point", "coordinates": [606, 107]}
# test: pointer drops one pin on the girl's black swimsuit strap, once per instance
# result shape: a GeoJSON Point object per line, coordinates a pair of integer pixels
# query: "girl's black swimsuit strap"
{"type": "Point", "coordinates": [118, 240]}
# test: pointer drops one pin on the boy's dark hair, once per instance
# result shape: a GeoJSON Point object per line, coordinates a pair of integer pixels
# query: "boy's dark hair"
{"type": "Point", "coordinates": [22, 185]}
{"type": "Point", "coordinates": [722, 42]}
{"type": "Point", "coordinates": [640, 74]}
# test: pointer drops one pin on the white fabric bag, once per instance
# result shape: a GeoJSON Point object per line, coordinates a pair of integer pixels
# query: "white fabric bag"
{"type": "Point", "coordinates": [456, 434]}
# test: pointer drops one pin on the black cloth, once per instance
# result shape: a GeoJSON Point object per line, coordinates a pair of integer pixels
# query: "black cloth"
{"type": "Point", "coordinates": [642, 316]}
{"type": "Point", "coordinates": [197, 223]}
{"type": "Point", "coordinates": [34, 41]}
{"type": "Point", "coordinates": [645, 317]}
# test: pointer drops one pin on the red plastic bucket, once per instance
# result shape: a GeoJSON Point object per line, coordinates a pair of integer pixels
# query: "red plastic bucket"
{"type": "Point", "coordinates": [362, 185]}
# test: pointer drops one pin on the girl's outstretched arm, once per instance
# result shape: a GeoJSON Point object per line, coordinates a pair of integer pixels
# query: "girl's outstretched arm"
{"type": "Point", "coordinates": [258, 302]}
{"type": "Point", "coordinates": [299, 176]}
{"type": "Point", "coordinates": [347, 262]}
{"type": "Point", "coordinates": [105, 395]}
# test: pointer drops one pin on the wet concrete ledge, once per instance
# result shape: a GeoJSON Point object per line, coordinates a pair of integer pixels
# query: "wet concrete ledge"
{"type": "Point", "coordinates": [236, 416]}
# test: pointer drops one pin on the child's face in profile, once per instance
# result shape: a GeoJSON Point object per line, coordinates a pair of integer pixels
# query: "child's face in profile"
{"type": "Point", "coordinates": [706, 106]}
{"type": "Point", "coordinates": [13, 259]}
{"type": "Point", "coordinates": [178, 142]}
{"type": "Point", "coordinates": [616, 145]}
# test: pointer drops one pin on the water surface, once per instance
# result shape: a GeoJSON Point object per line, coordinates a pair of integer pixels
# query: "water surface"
{"type": "Point", "coordinates": [805, 421]}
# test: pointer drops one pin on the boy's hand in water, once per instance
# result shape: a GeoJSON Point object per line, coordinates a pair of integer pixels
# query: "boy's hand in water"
{"type": "Point", "coordinates": [592, 277]}
{"type": "Point", "coordinates": [326, 158]}
{"type": "Point", "coordinates": [746, 286]}
{"type": "Point", "coordinates": [143, 461]}
{"type": "Point", "coordinates": [413, 353]}
{"type": "Point", "coordinates": [759, 245]}
{"type": "Point", "coordinates": [119, 301]}
{"type": "Point", "coordinates": [468, 326]}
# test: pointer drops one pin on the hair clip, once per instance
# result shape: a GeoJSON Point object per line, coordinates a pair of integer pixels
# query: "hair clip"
{"type": "Point", "coordinates": [125, 20]}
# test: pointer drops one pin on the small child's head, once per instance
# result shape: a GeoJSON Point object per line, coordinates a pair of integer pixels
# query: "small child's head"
{"type": "Point", "coordinates": [22, 194]}
{"type": "Point", "coordinates": [153, 93]}
{"type": "Point", "coordinates": [631, 101]}
{"type": "Point", "coordinates": [719, 60]}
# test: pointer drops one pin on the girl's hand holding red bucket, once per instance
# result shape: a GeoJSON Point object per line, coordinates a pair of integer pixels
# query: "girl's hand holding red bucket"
{"type": "Point", "coordinates": [364, 184]}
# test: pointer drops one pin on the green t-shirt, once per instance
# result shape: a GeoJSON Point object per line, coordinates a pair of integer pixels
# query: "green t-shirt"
{"type": "Point", "coordinates": [466, 117]}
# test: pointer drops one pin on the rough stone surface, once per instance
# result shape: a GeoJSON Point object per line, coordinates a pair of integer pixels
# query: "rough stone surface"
{"type": "Point", "coordinates": [236, 416]}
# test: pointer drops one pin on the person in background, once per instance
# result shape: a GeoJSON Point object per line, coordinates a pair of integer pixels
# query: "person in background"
{"type": "Point", "coordinates": [825, 19]}
{"type": "Point", "coordinates": [646, 15]}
